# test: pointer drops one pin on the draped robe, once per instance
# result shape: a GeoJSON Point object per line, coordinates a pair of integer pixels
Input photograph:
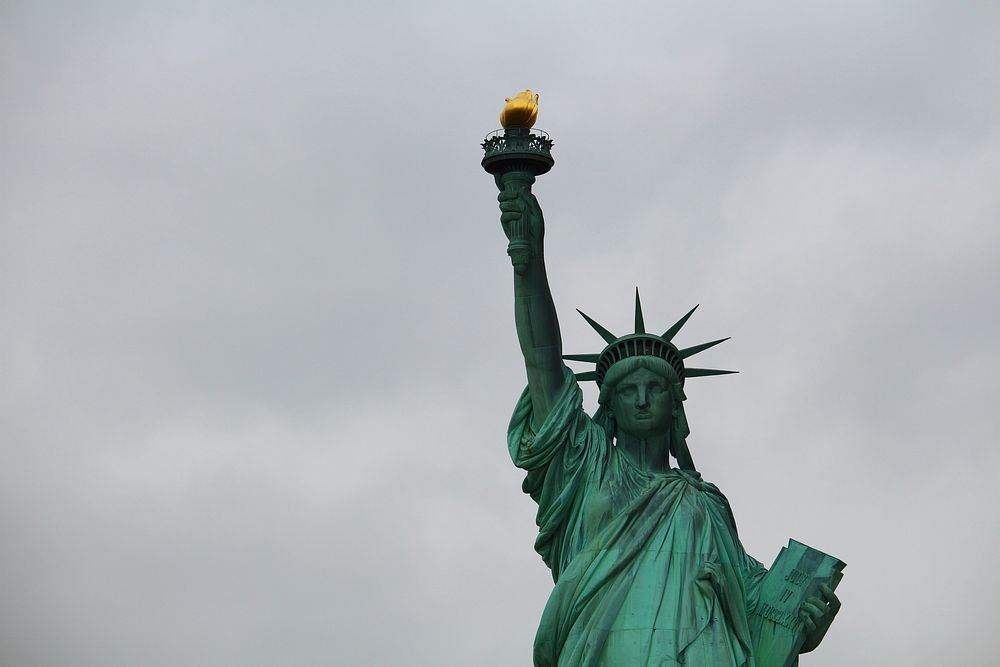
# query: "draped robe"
{"type": "Point", "coordinates": [648, 568]}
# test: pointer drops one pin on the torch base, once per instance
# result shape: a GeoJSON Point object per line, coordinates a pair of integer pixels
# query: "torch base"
{"type": "Point", "coordinates": [517, 149]}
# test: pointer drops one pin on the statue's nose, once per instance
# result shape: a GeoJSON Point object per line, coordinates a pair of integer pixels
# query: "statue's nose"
{"type": "Point", "coordinates": [643, 398]}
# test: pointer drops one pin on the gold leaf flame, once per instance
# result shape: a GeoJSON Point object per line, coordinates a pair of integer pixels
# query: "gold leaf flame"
{"type": "Point", "coordinates": [521, 110]}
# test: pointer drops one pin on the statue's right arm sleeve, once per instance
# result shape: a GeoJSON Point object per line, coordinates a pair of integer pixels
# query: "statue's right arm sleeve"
{"type": "Point", "coordinates": [566, 438]}
{"type": "Point", "coordinates": [562, 459]}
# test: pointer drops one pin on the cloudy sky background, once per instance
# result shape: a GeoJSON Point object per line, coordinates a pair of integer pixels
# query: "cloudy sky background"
{"type": "Point", "coordinates": [257, 350]}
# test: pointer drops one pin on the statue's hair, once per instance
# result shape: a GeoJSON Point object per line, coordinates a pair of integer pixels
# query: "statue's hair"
{"type": "Point", "coordinates": [678, 428]}
{"type": "Point", "coordinates": [627, 366]}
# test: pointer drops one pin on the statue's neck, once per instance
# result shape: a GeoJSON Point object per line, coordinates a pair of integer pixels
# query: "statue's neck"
{"type": "Point", "coordinates": [652, 454]}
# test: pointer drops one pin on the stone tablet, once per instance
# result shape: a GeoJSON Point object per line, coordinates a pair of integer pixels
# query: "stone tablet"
{"type": "Point", "coordinates": [795, 576]}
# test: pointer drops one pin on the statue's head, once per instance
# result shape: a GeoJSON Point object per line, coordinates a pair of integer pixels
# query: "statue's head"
{"type": "Point", "coordinates": [642, 394]}
{"type": "Point", "coordinates": [641, 377]}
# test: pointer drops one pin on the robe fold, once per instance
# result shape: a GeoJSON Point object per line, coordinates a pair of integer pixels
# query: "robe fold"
{"type": "Point", "coordinates": [648, 568]}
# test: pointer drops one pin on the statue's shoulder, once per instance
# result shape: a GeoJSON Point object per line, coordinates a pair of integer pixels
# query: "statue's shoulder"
{"type": "Point", "coordinates": [694, 478]}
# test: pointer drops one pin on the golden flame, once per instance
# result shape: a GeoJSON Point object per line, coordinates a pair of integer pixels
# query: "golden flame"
{"type": "Point", "coordinates": [521, 110]}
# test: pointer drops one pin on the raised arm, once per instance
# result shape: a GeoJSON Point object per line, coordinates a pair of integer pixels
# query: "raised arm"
{"type": "Point", "coordinates": [534, 312]}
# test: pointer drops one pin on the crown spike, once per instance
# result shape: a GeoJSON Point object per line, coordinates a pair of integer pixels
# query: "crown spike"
{"type": "Point", "coordinates": [605, 334]}
{"type": "Point", "coordinates": [592, 358]}
{"type": "Point", "coordinates": [695, 349]}
{"type": "Point", "coordinates": [704, 372]}
{"type": "Point", "coordinates": [586, 376]}
{"type": "Point", "coordinates": [640, 326]}
{"type": "Point", "coordinates": [672, 331]}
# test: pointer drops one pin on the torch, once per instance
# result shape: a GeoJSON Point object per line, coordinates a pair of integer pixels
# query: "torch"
{"type": "Point", "coordinates": [515, 155]}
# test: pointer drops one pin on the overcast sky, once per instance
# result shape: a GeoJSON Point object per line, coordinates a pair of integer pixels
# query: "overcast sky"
{"type": "Point", "coordinates": [257, 353]}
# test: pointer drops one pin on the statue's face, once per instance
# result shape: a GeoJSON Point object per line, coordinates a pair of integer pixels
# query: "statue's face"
{"type": "Point", "coordinates": [642, 404]}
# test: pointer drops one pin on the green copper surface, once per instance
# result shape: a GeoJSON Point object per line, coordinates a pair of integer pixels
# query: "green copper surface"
{"type": "Point", "coordinates": [646, 560]}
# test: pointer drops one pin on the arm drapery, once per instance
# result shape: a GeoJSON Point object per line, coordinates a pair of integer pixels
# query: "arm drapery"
{"type": "Point", "coordinates": [560, 459]}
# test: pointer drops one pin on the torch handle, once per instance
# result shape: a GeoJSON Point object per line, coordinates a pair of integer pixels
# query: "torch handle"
{"type": "Point", "coordinates": [519, 247]}
{"type": "Point", "coordinates": [515, 180]}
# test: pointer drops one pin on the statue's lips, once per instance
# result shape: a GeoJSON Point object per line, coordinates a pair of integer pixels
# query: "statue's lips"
{"type": "Point", "coordinates": [643, 415]}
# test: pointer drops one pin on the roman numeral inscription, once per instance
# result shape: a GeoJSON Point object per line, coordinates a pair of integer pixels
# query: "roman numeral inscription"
{"type": "Point", "coordinates": [779, 616]}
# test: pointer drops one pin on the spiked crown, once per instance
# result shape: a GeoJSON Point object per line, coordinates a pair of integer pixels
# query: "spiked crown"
{"type": "Point", "coordinates": [641, 343]}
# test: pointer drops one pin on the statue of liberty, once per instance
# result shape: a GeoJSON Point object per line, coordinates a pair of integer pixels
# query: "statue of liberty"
{"type": "Point", "coordinates": [644, 553]}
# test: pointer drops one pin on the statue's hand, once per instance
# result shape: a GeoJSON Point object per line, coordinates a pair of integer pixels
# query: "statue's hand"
{"type": "Point", "coordinates": [521, 216]}
{"type": "Point", "coordinates": [522, 222]}
{"type": "Point", "coordinates": [817, 615]}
